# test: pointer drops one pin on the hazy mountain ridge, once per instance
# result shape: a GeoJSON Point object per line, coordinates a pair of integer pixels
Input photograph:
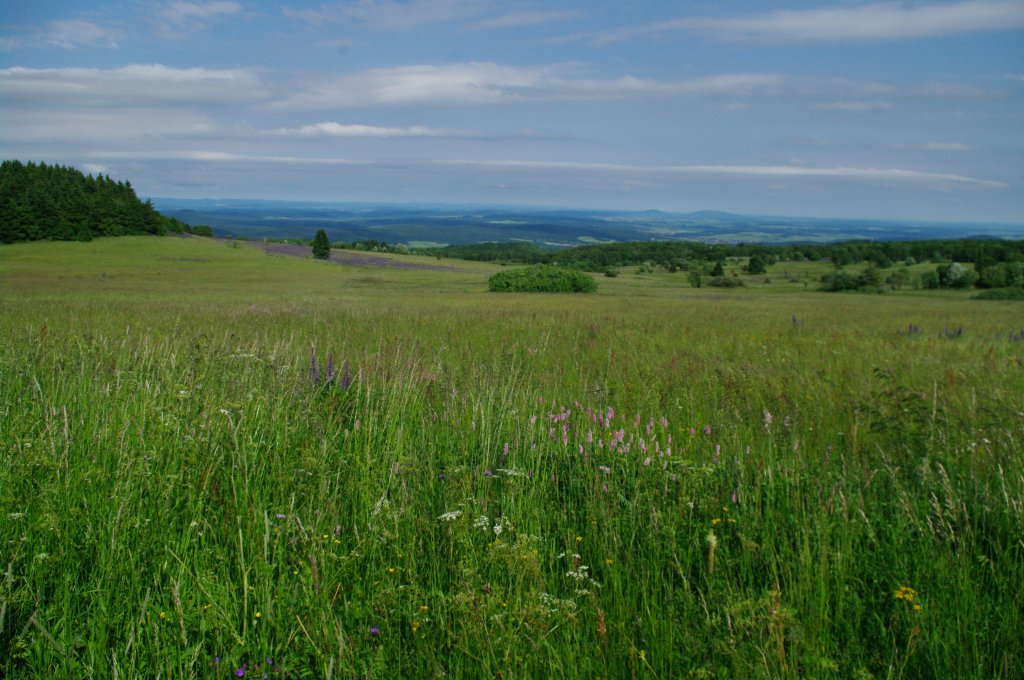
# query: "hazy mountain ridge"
{"type": "Point", "coordinates": [465, 224]}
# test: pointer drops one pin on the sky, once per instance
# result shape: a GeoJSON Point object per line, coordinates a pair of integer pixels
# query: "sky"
{"type": "Point", "coordinates": [899, 110]}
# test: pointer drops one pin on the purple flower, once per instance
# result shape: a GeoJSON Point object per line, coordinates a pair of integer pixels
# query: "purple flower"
{"type": "Point", "coordinates": [280, 515]}
{"type": "Point", "coordinates": [374, 630]}
{"type": "Point", "coordinates": [330, 368]}
{"type": "Point", "coordinates": [314, 369]}
{"type": "Point", "coordinates": [346, 376]}
{"type": "Point", "coordinates": [216, 660]}
{"type": "Point", "coordinates": [240, 672]}
{"type": "Point", "coordinates": [488, 473]}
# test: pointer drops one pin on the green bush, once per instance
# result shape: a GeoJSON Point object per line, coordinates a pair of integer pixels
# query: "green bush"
{"type": "Point", "coordinates": [542, 278]}
{"type": "Point", "coordinates": [1001, 294]}
{"type": "Point", "coordinates": [724, 282]}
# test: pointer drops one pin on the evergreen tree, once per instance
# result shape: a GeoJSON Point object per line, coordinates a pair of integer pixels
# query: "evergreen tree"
{"type": "Point", "coordinates": [321, 246]}
{"type": "Point", "coordinates": [40, 201]}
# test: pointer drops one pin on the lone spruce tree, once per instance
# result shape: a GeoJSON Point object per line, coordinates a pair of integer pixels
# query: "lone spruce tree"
{"type": "Point", "coordinates": [321, 246]}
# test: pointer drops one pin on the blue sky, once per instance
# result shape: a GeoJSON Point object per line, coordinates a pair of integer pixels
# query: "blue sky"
{"type": "Point", "coordinates": [911, 110]}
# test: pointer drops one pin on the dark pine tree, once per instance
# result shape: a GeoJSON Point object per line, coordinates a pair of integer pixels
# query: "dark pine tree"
{"type": "Point", "coordinates": [321, 246]}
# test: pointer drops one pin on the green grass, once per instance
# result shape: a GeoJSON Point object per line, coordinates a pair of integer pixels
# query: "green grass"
{"type": "Point", "coordinates": [175, 489]}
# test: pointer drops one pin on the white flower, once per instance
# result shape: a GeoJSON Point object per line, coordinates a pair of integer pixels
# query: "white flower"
{"type": "Point", "coordinates": [450, 516]}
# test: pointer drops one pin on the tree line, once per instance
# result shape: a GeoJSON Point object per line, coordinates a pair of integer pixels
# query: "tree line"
{"type": "Point", "coordinates": [60, 203]}
{"type": "Point", "coordinates": [682, 255]}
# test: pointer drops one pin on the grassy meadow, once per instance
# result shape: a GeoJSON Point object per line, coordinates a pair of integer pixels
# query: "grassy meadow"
{"type": "Point", "coordinates": [652, 481]}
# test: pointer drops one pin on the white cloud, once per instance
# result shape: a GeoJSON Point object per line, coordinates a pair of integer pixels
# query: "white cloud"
{"type": "Point", "coordinates": [522, 19]}
{"type": "Point", "coordinates": [947, 146]}
{"type": "Point", "coordinates": [333, 129]}
{"type": "Point", "coordinates": [134, 85]}
{"type": "Point", "coordinates": [486, 83]}
{"type": "Point", "coordinates": [73, 33]}
{"type": "Point", "coordinates": [855, 106]}
{"type": "Point", "coordinates": [67, 34]}
{"type": "Point", "coordinates": [180, 19]}
{"type": "Point", "coordinates": [868, 22]}
{"type": "Point", "coordinates": [489, 83]}
{"type": "Point", "coordinates": [50, 125]}
{"type": "Point", "coordinates": [882, 174]}
{"type": "Point", "coordinates": [634, 172]}
{"type": "Point", "coordinates": [388, 14]}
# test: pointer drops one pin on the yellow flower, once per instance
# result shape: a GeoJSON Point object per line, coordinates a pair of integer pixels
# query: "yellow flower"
{"type": "Point", "coordinates": [415, 626]}
{"type": "Point", "coordinates": [424, 608]}
{"type": "Point", "coordinates": [579, 539]}
{"type": "Point", "coordinates": [391, 570]}
{"type": "Point", "coordinates": [162, 615]}
{"type": "Point", "coordinates": [259, 614]}
{"type": "Point", "coordinates": [905, 593]}
{"type": "Point", "coordinates": [609, 562]}
{"type": "Point", "coordinates": [917, 607]}
{"type": "Point", "coordinates": [643, 654]}
{"type": "Point", "coordinates": [716, 521]}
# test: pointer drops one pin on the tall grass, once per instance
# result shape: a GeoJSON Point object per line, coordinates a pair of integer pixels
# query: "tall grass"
{"type": "Point", "coordinates": [651, 482]}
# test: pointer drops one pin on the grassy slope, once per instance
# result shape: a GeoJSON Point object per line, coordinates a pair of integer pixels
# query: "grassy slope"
{"type": "Point", "coordinates": [176, 490]}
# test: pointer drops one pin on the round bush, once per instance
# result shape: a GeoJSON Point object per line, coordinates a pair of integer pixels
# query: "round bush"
{"type": "Point", "coordinates": [542, 278]}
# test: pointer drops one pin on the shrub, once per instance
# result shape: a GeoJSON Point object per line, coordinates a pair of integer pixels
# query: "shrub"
{"type": "Point", "coordinates": [756, 265]}
{"type": "Point", "coordinates": [841, 280]}
{"type": "Point", "coordinates": [542, 278]}
{"type": "Point", "coordinates": [1001, 294]}
{"type": "Point", "coordinates": [724, 282]}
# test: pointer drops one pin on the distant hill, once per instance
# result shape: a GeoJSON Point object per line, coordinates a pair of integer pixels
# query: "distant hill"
{"type": "Point", "coordinates": [439, 224]}
{"type": "Point", "coordinates": [40, 201]}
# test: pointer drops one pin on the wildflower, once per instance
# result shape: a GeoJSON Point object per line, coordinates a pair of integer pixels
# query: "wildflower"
{"type": "Point", "coordinates": [259, 614]}
{"type": "Point", "coordinates": [391, 570]}
{"type": "Point", "coordinates": [424, 608]}
{"type": "Point", "coordinates": [643, 654]}
{"type": "Point", "coordinates": [240, 672]}
{"type": "Point", "coordinates": [579, 539]}
{"type": "Point", "coordinates": [905, 593]}
{"type": "Point", "coordinates": [374, 630]}
{"type": "Point", "coordinates": [280, 515]}
{"type": "Point", "coordinates": [712, 544]}
{"type": "Point", "coordinates": [450, 516]}
{"type": "Point", "coordinates": [767, 418]}
{"type": "Point", "coordinates": [415, 626]}
{"type": "Point", "coordinates": [314, 368]}
{"type": "Point", "coordinates": [609, 562]}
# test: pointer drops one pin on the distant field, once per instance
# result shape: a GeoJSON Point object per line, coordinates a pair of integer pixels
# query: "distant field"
{"type": "Point", "coordinates": [653, 480]}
